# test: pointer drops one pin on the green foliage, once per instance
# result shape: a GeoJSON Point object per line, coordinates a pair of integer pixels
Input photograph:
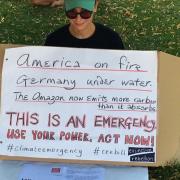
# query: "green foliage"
{"type": "Point", "coordinates": [143, 25]}
{"type": "Point", "coordinates": [169, 172]}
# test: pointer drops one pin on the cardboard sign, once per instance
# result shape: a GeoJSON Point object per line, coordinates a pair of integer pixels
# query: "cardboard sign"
{"type": "Point", "coordinates": [79, 105]}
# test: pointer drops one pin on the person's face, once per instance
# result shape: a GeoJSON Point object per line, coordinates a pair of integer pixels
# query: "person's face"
{"type": "Point", "coordinates": [79, 23]}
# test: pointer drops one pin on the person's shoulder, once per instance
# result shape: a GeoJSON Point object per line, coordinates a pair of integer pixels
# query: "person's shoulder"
{"type": "Point", "coordinates": [108, 35]}
{"type": "Point", "coordinates": [59, 31]}
{"type": "Point", "coordinates": [104, 29]}
{"type": "Point", "coordinates": [57, 37]}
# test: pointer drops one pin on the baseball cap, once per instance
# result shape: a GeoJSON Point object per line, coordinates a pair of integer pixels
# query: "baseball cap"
{"type": "Point", "coordinates": [85, 4]}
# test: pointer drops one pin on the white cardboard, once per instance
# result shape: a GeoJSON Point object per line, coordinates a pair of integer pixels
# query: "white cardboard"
{"type": "Point", "coordinates": [79, 89]}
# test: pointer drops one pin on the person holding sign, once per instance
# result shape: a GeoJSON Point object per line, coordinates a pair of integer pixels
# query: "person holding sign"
{"type": "Point", "coordinates": [82, 32]}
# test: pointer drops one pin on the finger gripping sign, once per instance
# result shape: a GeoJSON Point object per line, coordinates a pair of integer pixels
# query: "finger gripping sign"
{"type": "Point", "coordinates": [79, 105]}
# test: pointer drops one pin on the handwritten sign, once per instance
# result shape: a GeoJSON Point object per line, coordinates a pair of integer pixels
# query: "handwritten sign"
{"type": "Point", "coordinates": [79, 104]}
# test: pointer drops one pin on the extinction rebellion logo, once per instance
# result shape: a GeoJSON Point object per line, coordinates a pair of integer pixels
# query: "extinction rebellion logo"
{"type": "Point", "coordinates": [141, 154]}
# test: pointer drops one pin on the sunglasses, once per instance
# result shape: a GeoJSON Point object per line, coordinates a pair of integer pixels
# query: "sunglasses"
{"type": "Point", "coordinates": [72, 14]}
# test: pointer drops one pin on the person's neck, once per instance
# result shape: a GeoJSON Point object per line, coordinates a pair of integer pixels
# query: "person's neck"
{"type": "Point", "coordinates": [84, 34]}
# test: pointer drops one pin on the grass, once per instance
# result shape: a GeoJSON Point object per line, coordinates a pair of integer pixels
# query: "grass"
{"type": "Point", "coordinates": [142, 24]}
{"type": "Point", "coordinates": [147, 24]}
